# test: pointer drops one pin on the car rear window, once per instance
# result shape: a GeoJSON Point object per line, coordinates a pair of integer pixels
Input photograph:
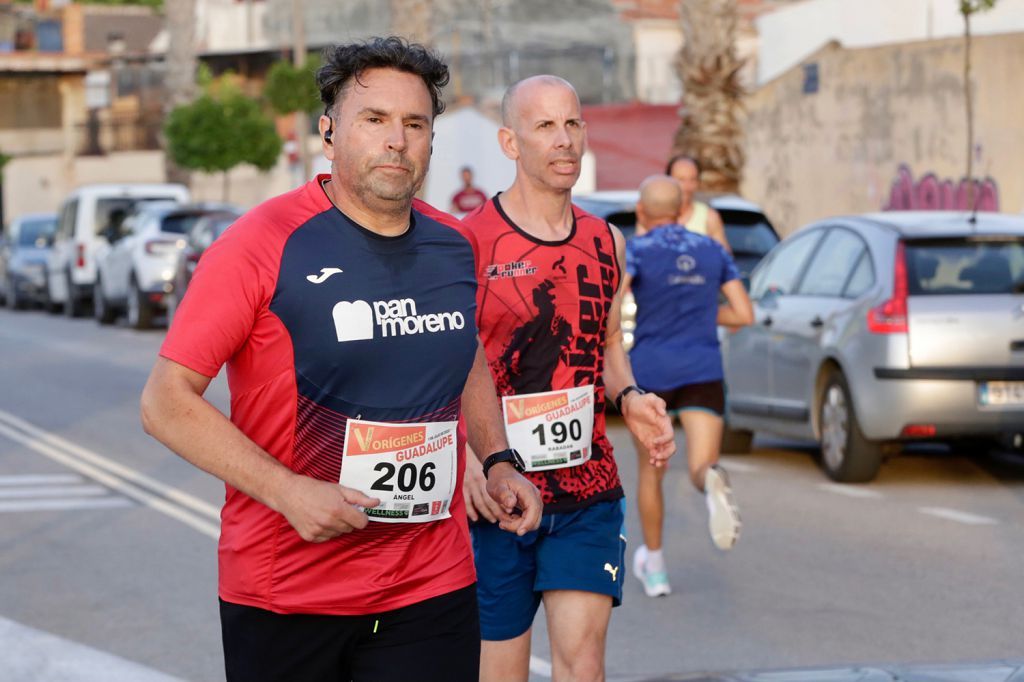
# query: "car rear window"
{"type": "Point", "coordinates": [33, 230]}
{"type": "Point", "coordinates": [111, 211]}
{"type": "Point", "coordinates": [179, 223]}
{"type": "Point", "coordinates": [973, 265]}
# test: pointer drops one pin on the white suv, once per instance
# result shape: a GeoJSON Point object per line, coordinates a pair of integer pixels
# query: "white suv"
{"type": "Point", "coordinates": [86, 214]}
{"type": "Point", "coordinates": [135, 272]}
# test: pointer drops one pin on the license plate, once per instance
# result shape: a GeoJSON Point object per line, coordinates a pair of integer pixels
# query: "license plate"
{"type": "Point", "coordinates": [1001, 393]}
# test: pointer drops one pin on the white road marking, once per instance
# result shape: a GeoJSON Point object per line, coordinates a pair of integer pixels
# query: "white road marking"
{"type": "Point", "coordinates": [17, 506]}
{"type": "Point", "coordinates": [733, 464]}
{"type": "Point", "coordinates": [958, 516]}
{"type": "Point", "coordinates": [32, 655]}
{"type": "Point", "coordinates": [538, 666]}
{"type": "Point", "coordinates": [40, 479]}
{"type": "Point", "coordinates": [181, 497]}
{"type": "Point", "coordinates": [169, 501]}
{"type": "Point", "coordinates": [52, 491]}
{"type": "Point", "coordinates": [850, 490]}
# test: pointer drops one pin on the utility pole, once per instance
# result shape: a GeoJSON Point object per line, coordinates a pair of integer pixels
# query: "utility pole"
{"type": "Point", "coordinates": [299, 57]}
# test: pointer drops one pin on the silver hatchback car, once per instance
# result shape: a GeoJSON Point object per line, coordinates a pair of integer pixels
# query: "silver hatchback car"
{"type": "Point", "coordinates": [880, 329]}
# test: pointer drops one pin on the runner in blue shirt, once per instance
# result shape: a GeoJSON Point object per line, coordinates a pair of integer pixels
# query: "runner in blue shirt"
{"type": "Point", "coordinates": [676, 276]}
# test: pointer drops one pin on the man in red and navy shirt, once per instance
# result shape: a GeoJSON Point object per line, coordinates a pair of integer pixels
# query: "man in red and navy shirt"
{"type": "Point", "coordinates": [345, 313]}
{"type": "Point", "coordinates": [548, 310]}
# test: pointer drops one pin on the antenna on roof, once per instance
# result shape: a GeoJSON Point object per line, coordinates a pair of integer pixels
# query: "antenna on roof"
{"type": "Point", "coordinates": [976, 191]}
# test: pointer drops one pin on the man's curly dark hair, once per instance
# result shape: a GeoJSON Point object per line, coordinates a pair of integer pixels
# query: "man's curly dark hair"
{"type": "Point", "coordinates": [344, 64]}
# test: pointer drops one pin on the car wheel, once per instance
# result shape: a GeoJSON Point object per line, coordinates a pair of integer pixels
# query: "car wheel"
{"type": "Point", "coordinates": [171, 302]}
{"type": "Point", "coordinates": [101, 308]}
{"type": "Point", "coordinates": [846, 455]}
{"type": "Point", "coordinates": [48, 303]}
{"type": "Point", "coordinates": [72, 306]}
{"type": "Point", "coordinates": [736, 441]}
{"type": "Point", "coordinates": [140, 311]}
{"type": "Point", "coordinates": [13, 299]}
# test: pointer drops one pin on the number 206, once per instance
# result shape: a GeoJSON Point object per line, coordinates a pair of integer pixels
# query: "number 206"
{"type": "Point", "coordinates": [408, 475]}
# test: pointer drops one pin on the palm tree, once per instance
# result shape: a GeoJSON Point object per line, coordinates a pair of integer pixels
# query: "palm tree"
{"type": "Point", "coordinates": [413, 20]}
{"type": "Point", "coordinates": [709, 69]}
{"type": "Point", "coordinates": [181, 68]}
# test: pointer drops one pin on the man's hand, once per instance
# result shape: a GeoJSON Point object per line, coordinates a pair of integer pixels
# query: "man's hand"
{"type": "Point", "coordinates": [320, 511]}
{"type": "Point", "coordinates": [647, 419]}
{"type": "Point", "coordinates": [474, 491]}
{"type": "Point", "coordinates": [519, 504]}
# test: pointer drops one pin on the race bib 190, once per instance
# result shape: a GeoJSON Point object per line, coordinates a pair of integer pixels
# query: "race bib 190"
{"type": "Point", "coordinates": [411, 468]}
{"type": "Point", "coordinates": [551, 430]}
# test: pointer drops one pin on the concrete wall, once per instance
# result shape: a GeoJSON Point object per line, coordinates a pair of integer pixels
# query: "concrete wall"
{"type": "Point", "coordinates": [887, 129]}
{"type": "Point", "coordinates": [791, 33]}
{"type": "Point", "coordinates": [39, 183]}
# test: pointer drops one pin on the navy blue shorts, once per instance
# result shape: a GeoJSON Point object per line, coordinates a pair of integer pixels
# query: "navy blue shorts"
{"type": "Point", "coordinates": [581, 550]}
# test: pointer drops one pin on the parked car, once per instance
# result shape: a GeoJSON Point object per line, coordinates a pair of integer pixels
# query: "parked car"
{"type": "Point", "coordinates": [23, 259]}
{"type": "Point", "coordinates": [206, 230]}
{"type": "Point", "coordinates": [747, 229]}
{"type": "Point", "coordinates": [135, 268]}
{"type": "Point", "coordinates": [86, 214]}
{"type": "Point", "coordinates": [875, 330]}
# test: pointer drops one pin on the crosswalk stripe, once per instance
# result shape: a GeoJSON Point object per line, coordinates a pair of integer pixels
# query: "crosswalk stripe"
{"type": "Point", "coordinates": [40, 479]}
{"type": "Point", "coordinates": [52, 491]}
{"type": "Point", "coordinates": [14, 506]}
{"type": "Point", "coordinates": [169, 504]}
{"type": "Point", "coordinates": [31, 654]}
{"type": "Point", "coordinates": [80, 454]}
{"type": "Point", "coordinates": [958, 516]}
{"type": "Point", "coordinates": [850, 490]}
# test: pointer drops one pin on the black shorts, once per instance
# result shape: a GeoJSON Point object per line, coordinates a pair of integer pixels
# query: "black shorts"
{"type": "Point", "coordinates": [434, 640]}
{"type": "Point", "coordinates": [708, 396]}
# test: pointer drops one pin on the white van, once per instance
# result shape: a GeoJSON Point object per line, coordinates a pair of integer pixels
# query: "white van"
{"type": "Point", "coordinates": [86, 215]}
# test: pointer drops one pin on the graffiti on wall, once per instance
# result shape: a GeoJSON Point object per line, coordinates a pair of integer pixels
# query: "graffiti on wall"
{"type": "Point", "coordinates": [929, 193]}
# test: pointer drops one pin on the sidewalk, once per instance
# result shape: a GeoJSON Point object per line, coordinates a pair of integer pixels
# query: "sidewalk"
{"type": "Point", "coordinates": [997, 671]}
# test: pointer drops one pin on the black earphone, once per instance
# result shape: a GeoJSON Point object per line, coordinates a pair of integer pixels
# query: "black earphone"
{"type": "Point", "coordinates": [329, 131]}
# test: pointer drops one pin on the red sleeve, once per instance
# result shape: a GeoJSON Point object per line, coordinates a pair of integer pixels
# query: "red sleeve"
{"type": "Point", "coordinates": [233, 283]}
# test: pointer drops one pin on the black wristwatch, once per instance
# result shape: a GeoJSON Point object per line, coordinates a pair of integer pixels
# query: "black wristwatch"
{"type": "Point", "coordinates": [626, 391]}
{"type": "Point", "coordinates": [510, 456]}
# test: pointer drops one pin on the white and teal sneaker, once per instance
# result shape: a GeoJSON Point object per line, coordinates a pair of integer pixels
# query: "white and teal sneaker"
{"type": "Point", "coordinates": [655, 582]}
{"type": "Point", "coordinates": [723, 514]}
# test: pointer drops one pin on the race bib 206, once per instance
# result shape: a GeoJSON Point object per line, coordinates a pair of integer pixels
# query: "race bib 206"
{"type": "Point", "coordinates": [411, 468]}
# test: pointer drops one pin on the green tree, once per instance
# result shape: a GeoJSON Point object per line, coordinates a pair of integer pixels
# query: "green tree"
{"type": "Point", "coordinates": [220, 130]}
{"type": "Point", "coordinates": [290, 88]}
{"type": "Point", "coordinates": [968, 8]}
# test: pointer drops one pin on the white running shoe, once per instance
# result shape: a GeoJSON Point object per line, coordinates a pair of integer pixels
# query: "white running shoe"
{"type": "Point", "coordinates": [723, 515]}
{"type": "Point", "coordinates": [655, 583]}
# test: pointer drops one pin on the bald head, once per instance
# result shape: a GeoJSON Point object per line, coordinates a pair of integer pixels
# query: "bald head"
{"type": "Point", "coordinates": [523, 92]}
{"type": "Point", "coordinates": [660, 200]}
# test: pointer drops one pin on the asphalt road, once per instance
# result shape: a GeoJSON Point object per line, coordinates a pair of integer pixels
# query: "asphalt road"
{"type": "Point", "coordinates": [108, 562]}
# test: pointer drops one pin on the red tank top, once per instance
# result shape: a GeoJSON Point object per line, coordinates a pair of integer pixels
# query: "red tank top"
{"type": "Point", "coordinates": [542, 310]}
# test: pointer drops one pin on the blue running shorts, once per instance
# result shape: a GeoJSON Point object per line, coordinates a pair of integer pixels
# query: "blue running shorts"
{"type": "Point", "coordinates": [580, 550]}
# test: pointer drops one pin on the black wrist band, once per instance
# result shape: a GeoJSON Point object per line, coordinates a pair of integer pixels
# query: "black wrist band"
{"type": "Point", "coordinates": [626, 391]}
{"type": "Point", "coordinates": [509, 455]}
